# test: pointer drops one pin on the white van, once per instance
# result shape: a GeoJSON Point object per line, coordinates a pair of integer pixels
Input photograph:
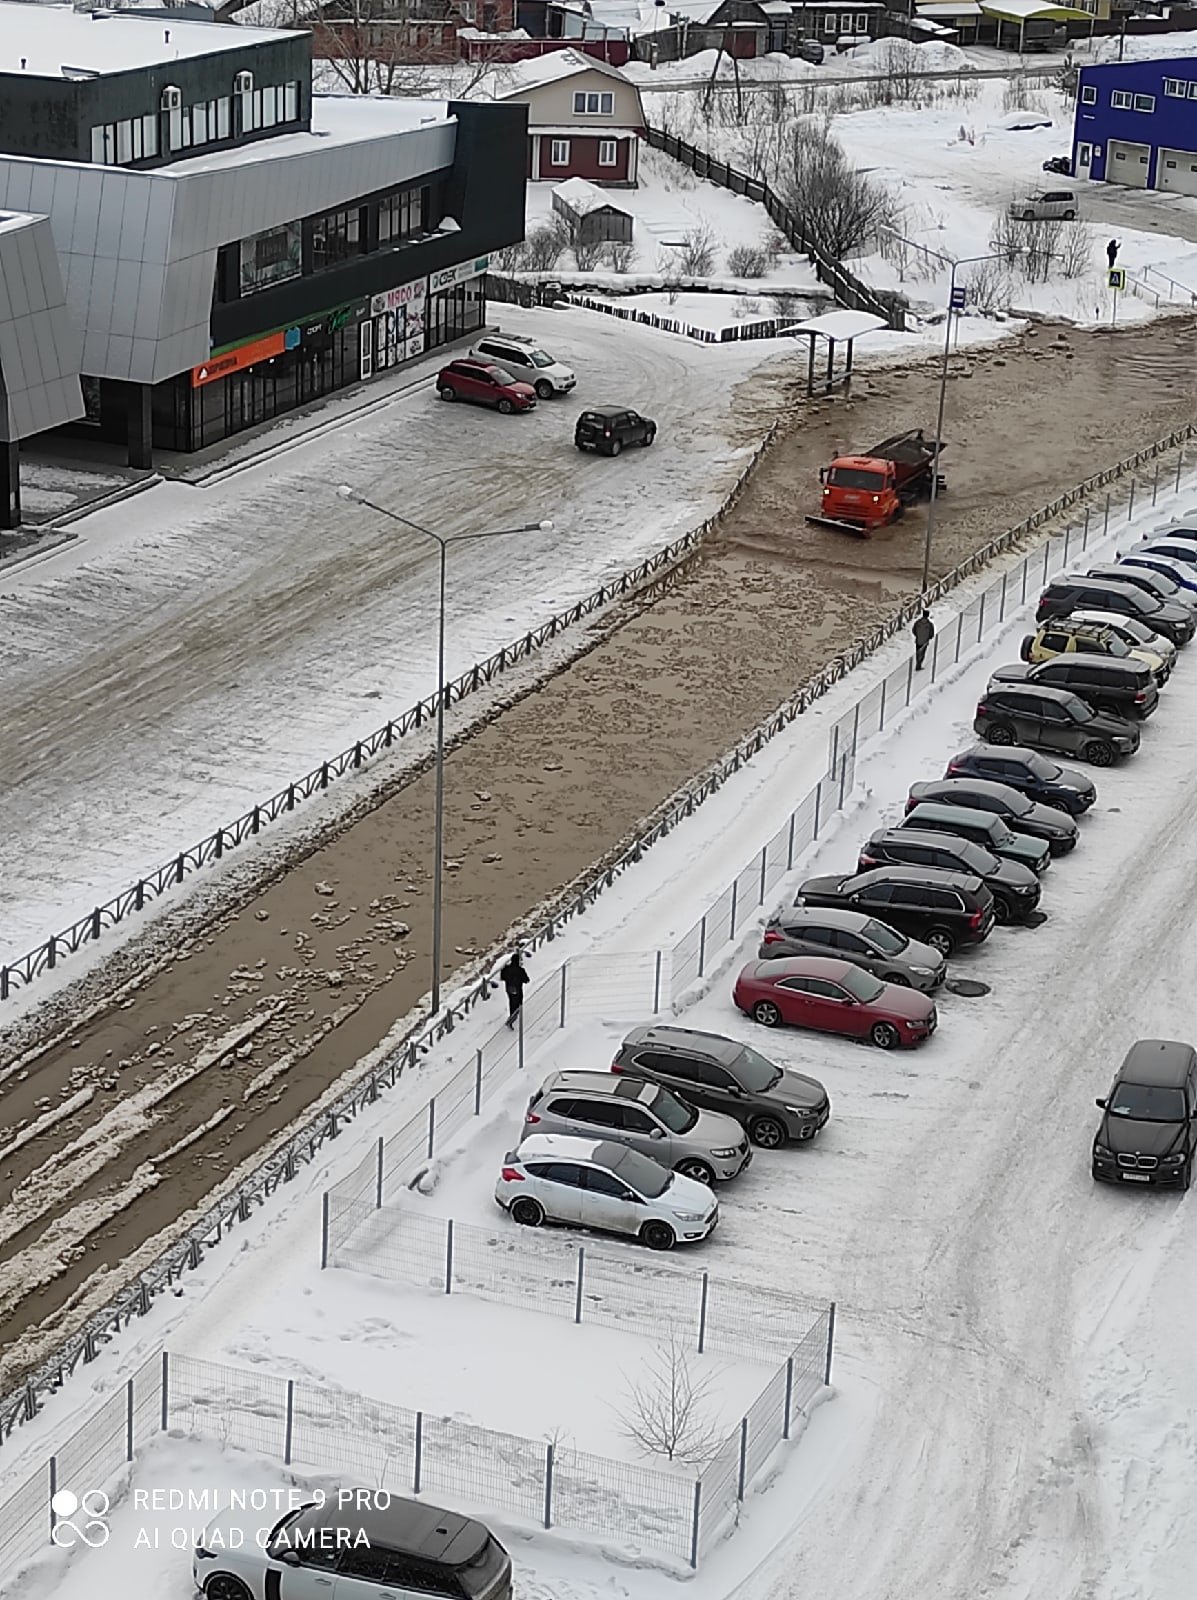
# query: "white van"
{"type": "Point", "coordinates": [1045, 205]}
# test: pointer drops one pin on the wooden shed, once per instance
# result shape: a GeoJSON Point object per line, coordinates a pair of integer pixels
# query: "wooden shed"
{"type": "Point", "coordinates": [588, 210]}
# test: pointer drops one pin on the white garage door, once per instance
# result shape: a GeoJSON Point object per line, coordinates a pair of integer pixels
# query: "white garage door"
{"type": "Point", "coordinates": [1127, 163]}
{"type": "Point", "coordinates": [1177, 170]}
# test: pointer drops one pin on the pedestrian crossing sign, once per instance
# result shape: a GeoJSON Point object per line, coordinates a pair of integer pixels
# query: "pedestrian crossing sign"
{"type": "Point", "coordinates": [1117, 277]}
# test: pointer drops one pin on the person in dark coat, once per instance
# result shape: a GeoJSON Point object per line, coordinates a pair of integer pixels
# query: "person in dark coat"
{"type": "Point", "coordinates": [924, 632]}
{"type": "Point", "coordinates": [514, 977]}
{"type": "Point", "coordinates": [1112, 252]}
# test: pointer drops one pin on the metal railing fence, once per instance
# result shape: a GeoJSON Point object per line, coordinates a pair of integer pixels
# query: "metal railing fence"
{"type": "Point", "coordinates": [690, 957]}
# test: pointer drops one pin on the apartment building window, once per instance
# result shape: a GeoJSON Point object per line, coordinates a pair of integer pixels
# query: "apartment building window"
{"type": "Point", "coordinates": [607, 153]}
{"type": "Point", "coordinates": [401, 215]}
{"type": "Point", "coordinates": [1088, 95]}
{"type": "Point", "coordinates": [593, 105]}
{"type": "Point", "coordinates": [336, 237]}
{"type": "Point", "coordinates": [1193, 90]}
{"type": "Point", "coordinates": [119, 144]}
{"type": "Point", "coordinates": [559, 153]}
{"type": "Point", "coordinates": [1145, 102]}
{"type": "Point", "coordinates": [1175, 88]}
{"type": "Point", "coordinates": [1120, 100]}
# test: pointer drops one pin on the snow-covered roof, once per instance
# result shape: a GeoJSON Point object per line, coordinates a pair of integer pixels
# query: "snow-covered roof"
{"type": "Point", "coordinates": [775, 8]}
{"type": "Point", "coordinates": [951, 8]}
{"type": "Point", "coordinates": [840, 324]}
{"type": "Point", "coordinates": [551, 67]}
{"type": "Point", "coordinates": [582, 197]}
{"type": "Point", "coordinates": [337, 119]}
{"type": "Point", "coordinates": [1025, 10]}
{"type": "Point", "coordinates": [49, 41]}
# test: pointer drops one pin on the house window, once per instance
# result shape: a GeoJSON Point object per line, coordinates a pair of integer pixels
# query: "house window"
{"type": "Point", "coordinates": [608, 149]}
{"type": "Point", "coordinates": [862, 22]}
{"type": "Point", "coordinates": [118, 144]}
{"type": "Point", "coordinates": [829, 25]}
{"type": "Point", "coordinates": [336, 236]}
{"type": "Point", "coordinates": [1088, 95]}
{"type": "Point", "coordinates": [401, 215]}
{"type": "Point", "coordinates": [559, 153]}
{"type": "Point", "coordinates": [1145, 102]}
{"type": "Point", "coordinates": [1176, 88]}
{"type": "Point", "coordinates": [1120, 100]}
{"type": "Point", "coordinates": [593, 105]}
{"type": "Point", "coordinates": [468, 11]}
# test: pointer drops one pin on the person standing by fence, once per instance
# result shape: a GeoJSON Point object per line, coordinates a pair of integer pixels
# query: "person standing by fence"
{"type": "Point", "coordinates": [924, 632]}
{"type": "Point", "coordinates": [514, 977]}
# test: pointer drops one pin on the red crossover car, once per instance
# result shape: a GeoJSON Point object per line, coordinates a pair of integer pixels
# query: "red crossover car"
{"type": "Point", "coordinates": [834, 997]}
{"type": "Point", "coordinates": [485, 383]}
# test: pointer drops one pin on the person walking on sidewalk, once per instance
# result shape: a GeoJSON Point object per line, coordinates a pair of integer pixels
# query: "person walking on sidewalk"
{"type": "Point", "coordinates": [514, 977]}
{"type": "Point", "coordinates": [924, 632]}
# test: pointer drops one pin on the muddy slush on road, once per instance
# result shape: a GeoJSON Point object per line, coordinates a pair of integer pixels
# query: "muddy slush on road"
{"type": "Point", "coordinates": [115, 1128]}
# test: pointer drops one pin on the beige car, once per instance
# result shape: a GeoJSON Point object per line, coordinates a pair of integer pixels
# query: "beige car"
{"type": "Point", "coordinates": [1077, 634]}
{"type": "Point", "coordinates": [1045, 205]}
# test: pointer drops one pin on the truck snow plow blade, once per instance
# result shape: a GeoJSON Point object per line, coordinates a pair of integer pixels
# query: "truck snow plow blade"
{"type": "Point", "coordinates": [842, 527]}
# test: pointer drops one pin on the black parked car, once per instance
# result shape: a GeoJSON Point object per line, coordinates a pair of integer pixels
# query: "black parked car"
{"type": "Point", "coordinates": [1060, 164]}
{"type": "Point", "coordinates": [943, 909]}
{"type": "Point", "coordinates": [1015, 888]}
{"type": "Point", "coordinates": [608, 429]}
{"type": "Point", "coordinates": [1053, 719]}
{"type": "Point", "coordinates": [1020, 815]}
{"type": "Point", "coordinates": [1123, 687]}
{"type": "Point", "coordinates": [1065, 595]}
{"type": "Point", "coordinates": [1027, 771]}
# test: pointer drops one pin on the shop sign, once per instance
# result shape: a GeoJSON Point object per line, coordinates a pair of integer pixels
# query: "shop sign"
{"type": "Point", "coordinates": [245, 355]}
{"type": "Point", "coordinates": [407, 294]}
{"type": "Point", "coordinates": [448, 277]}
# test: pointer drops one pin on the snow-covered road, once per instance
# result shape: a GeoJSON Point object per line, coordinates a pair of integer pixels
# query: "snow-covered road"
{"type": "Point", "coordinates": [1015, 1388]}
{"type": "Point", "coordinates": [200, 647]}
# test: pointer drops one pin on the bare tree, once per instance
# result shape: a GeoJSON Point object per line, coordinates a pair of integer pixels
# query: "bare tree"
{"type": "Point", "coordinates": [1074, 249]}
{"type": "Point", "coordinates": [833, 204]}
{"type": "Point", "coordinates": [618, 254]}
{"type": "Point", "coordinates": [587, 250]}
{"type": "Point", "coordinates": [544, 246]}
{"type": "Point", "coordinates": [696, 258]}
{"type": "Point", "coordinates": [510, 258]}
{"type": "Point", "coordinates": [669, 1413]}
{"type": "Point", "coordinates": [1026, 243]}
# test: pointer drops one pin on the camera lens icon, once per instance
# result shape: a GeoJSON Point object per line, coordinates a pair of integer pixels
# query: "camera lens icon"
{"type": "Point", "coordinates": [80, 1519]}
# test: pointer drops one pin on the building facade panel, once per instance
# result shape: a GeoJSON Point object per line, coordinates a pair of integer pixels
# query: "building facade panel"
{"type": "Point", "coordinates": [1146, 104]}
{"type": "Point", "coordinates": [39, 348]}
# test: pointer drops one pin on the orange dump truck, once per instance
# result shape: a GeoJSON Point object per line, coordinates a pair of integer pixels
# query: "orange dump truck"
{"type": "Point", "coordinates": [869, 491]}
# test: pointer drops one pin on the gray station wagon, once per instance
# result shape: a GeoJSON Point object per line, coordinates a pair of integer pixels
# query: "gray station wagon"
{"type": "Point", "coordinates": [603, 1105]}
{"type": "Point", "coordinates": [853, 936]}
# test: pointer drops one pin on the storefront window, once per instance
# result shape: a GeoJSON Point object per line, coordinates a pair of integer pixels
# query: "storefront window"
{"type": "Point", "coordinates": [336, 236]}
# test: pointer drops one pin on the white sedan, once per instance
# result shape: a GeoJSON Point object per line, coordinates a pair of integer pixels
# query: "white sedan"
{"type": "Point", "coordinates": [592, 1183]}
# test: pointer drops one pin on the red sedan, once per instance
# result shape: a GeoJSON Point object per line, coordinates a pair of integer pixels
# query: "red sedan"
{"type": "Point", "coordinates": [834, 997]}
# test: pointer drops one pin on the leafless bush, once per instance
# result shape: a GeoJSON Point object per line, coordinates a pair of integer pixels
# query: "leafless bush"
{"type": "Point", "coordinates": [834, 204]}
{"type": "Point", "coordinates": [899, 80]}
{"type": "Point", "coordinates": [1074, 249]}
{"type": "Point", "coordinates": [670, 1414]}
{"type": "Point", "coordinates": [988, 286]}
{"type": "Point", "coordinates": [618, 254]}
{"type": "Point", "coordinates": [544, 246]}
{"type": "Point", "coordinates": [1018, 95]}
{"type": "Point", "coordinates": [748, 261]}
{"type": "Point", "coordinates": [511, 257]}
{"type": "Point", "coordinates": [587, 251]}
{"type": "Point", "coordinates": [1028, 245]}
{"type": "Point", "coordinates": [696, 259]}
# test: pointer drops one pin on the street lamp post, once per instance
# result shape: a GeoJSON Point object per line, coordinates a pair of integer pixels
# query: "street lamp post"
{"type": "Point", "coordinates": [443, 541]}
{"type": "Point", "coordinates": [966, 261]}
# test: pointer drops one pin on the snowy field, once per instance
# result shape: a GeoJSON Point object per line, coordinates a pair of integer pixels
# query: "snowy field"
{"type": "Point", "coordinates": [1013, 1372]}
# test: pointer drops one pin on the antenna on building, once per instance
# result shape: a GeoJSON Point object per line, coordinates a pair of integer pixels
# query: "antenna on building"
{"type": "Point", "coordinates": [166, 35]}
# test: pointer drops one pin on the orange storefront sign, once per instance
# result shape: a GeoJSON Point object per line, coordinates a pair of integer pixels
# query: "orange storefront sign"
{"type": "Point", "coordinates": [245, 355]}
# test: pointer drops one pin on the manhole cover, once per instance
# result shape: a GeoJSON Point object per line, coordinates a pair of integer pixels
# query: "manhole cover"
{"type": "Point", "coordinates": [968, 987]}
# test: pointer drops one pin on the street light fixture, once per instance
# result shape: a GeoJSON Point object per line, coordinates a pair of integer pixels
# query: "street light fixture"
{"type": "Point", "coordinates": [443, 541]}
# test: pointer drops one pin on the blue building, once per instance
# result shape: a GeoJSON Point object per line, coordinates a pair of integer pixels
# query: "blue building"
{"type": "Point", "coordinates": [1136, 123]}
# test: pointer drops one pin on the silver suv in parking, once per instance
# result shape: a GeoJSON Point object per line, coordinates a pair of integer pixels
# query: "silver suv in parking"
{"type": "Point", "coordinates": [602, 1105]}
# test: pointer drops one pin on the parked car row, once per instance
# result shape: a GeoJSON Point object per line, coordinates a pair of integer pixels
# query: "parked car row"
{"type": "Point", "coordinates": [511, 372]}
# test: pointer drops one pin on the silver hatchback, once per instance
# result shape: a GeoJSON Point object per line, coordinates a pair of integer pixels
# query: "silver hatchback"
{"type": "Point", "coordinates": [600, 1105]}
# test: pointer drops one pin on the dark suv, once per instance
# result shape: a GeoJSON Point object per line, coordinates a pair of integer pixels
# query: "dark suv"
{"type": "Point", "coordinates": [1123, 687]}
{"type": "Point", "coordinates": [1059, 832]}
{"type": "Point", "coordinates": [1015, 888]}
{"type": "Point", "coordinates": [1027, 771]}
{"type": "Point", "coordinates": [1053, 719]}
{"type": "Point", "coordinates": [608, 429]}
{"type": "Point", "coordinates": [1065, 595]}
{"type": "Point", "coordinates": [1149, 1131]}
{"type": "Point", "coordinates": [943, 909]}
{"type": "Point", "coordinates": [774, 1104]}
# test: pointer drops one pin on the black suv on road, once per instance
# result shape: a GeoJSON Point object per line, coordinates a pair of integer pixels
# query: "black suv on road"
{"type": "Point", "coordinates": [1030, 773]}
{"type": "Point", "coordinates": [608, 429]}
{"type": "Point", "coordinates": [1015, 888]}
{"type": "Point", "coordinates": [942, 909]}
{"type": "Point", "coordinates": [1059, 832]}
{"type": "Point", "coordinates": [1053, 719]}
{"type": "Point", "coordinates": [1065, 595]}
{"type": "Point", "coordinates": [774, 1104]}
{"type": "Point", "coordinates": [1123, 687]}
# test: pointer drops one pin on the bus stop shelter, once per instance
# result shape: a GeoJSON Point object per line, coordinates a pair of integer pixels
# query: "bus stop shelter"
{"type": "Point", "coordinates": [834, 328]}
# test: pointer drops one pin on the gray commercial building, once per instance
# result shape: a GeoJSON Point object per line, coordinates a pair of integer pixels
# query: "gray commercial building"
{"type": "Point", "coordinates": [191, 242]}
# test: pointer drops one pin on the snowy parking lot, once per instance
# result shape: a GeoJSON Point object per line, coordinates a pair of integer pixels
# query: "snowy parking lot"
{"type": "Point", "coordinates": [1013, 1381]}
{"type": "Point", "coordinates": [198, 648]}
